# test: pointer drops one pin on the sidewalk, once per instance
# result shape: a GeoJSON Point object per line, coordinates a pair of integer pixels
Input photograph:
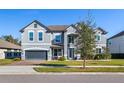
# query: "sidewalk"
{"type": "Point", "coordinates": [5, 70]}
{"type": "Point", "coordinates": [17, 70]}
{"type": "Point", "coordinates": [98, 66]}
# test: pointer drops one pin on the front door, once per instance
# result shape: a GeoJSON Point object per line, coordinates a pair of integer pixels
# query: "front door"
{"type": "Point", "coordinates": [71, 53]}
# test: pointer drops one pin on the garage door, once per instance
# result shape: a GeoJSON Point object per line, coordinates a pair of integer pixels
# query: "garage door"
{"type": "Point", "coordinates": [37, 55]}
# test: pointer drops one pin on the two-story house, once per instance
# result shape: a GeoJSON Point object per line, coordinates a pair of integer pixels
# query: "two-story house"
{"type": "Point", "coordinates": [50, 42]}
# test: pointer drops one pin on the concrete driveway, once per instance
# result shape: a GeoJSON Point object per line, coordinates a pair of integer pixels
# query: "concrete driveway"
{"type": "Point", "coordinates": [26, 63]}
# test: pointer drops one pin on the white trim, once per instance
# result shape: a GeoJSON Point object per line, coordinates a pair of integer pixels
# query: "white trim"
{"type": "Point", "coordinates": [36, 48]}
{"type": "Point", "coordinates": [33, 35]}
{"type": "Point", "coordinates": [36, 43]}
{"type": "Point", "coordinates": [42, 36]}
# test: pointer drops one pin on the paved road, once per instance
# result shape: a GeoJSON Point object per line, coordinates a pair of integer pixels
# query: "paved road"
{"type": "Point", "coordinates": [62, 78]}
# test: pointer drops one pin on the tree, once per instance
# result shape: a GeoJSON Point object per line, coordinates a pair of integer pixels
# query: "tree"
{"type": "Point", "coordinates": [11, 39]}
{"type": "Point", "coordinates": [86, 39]}
{"type": "Point", "coordinates": [107, 54]}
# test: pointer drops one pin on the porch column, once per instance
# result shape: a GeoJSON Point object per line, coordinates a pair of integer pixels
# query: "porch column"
{"type": "Point", "coordinates": [49, 54]}
{"type": "Point", "coordinates": [65, 44]}
{"type": "Point", "coordinates": [23, 55]}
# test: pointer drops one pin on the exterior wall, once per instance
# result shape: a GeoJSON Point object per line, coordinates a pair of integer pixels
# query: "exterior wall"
{"type": "Point", "coordinates": [46, 35]}
{"type": "Point", "coordinates": [57, 33]}
{"type": "Point", "coordinates": [117, 45]}
{"type": "Point", "coordinates": [70, 30]}
{"type": "Point", "coordinates": [42, 45]}
{"type": "Point", "coordinates": [103, 40]}
{"type": "Point", "coordinates": [2, 54]}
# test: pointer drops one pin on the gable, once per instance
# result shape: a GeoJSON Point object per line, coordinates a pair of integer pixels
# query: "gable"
{"type": "Point", "coordinates": [100, 30]}
{"type": "Point", "coordinates": [71, 30]}
{"type": "Point", "coordinates": [31, 26]}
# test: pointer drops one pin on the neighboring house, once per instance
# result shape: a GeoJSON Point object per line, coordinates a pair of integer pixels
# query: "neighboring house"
{"type": "Point", "coordinates": [9, 50]}
{"type": "Point", "coordinates": [50, 42]}
{"type": "Point", "coordinates": [116, 45]}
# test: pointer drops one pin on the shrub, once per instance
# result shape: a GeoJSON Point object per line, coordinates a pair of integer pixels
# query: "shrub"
{"type": "Point", "coordinates": [61, 58]}
{"type": "Point", "coordinates": [102, 56]}
{"type": "Point", "coordinates": [17, 59]}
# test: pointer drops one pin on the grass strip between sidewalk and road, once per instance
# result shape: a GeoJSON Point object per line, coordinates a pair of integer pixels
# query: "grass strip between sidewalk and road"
{"type": "Point", "coordinates": [97, 69]}
{"type": "Point", "coordinates": [113, 62]}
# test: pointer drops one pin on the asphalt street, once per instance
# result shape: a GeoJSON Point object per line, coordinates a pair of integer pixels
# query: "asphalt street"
{"type": "Point", "coordinates": [62, 78]}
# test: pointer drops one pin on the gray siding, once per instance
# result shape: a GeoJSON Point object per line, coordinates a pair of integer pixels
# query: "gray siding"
{"type": "Point", "coordinates": [36, 44]}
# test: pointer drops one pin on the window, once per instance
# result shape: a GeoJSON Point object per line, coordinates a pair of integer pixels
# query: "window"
{"type": "Point", "coordinates": [109, 42]}
{"type": "Point", "coordinates": [35, 25]}
{"type": "Point", "coordinates": [15, 54]}
{"type": "Point", "coordinates": [9, 54]}
{"type": "Point", "coordinates": [31, 35]}
{"type": "Point", "coordinates": [57, 52]}
{"type": "Point", "coordinates": [58, 39]}
{"type": "Point", "coordinates": [97, 37]}
{"type": "Point", "coordinates": [70, 39]}
{"type": "Point", "coordinates": [98, 51]}
{"type": "Point", "coordinates": [40, 36]}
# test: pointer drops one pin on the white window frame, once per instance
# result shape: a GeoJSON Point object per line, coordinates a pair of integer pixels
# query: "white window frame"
{"type": "Point", "coordinates": [42, 36]}
{"type": "Point", "coordinates": [60, 39]}
{"type": "Point", "coordinates": [99, 36]}
{"type": "Point", "coordinates": [29, 36]}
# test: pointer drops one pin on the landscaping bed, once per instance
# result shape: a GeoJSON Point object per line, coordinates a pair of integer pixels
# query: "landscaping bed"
{"type": "Point", "coordinates": [42, 69]}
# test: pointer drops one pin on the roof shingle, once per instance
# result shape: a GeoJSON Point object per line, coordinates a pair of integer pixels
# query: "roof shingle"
{"type": "Point", "coordinates": [7, 45]}
{"type": "Point", "coordinates": [117, 35]}
{"type": "Point", "coordinates": [57, 27]}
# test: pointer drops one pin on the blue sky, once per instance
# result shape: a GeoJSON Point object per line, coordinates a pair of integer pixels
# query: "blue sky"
{"type": "Point", "coordinates": [11, 21]}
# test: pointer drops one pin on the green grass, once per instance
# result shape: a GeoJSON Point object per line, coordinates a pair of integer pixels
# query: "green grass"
{"type": "Point", "coordinates": [6, 61]}
{"type": "Point", "coordinates": [39, 69]}
{"type": "Point", "coordinates": [115, 62]}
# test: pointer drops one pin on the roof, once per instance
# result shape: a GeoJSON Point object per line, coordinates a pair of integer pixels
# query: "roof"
{"type": "Point", "coordinates": [117, 35]}
{"type": "Point", "coordinates": [57, 27]}
{"type": "Point", "coordinates": [7, 45]}
{"type": "Point", "coordinates": [103, 31]}
{"type": "Point", "coordinates": [35, 22]}
{"type": "Point", "coordinates": [57, 46]}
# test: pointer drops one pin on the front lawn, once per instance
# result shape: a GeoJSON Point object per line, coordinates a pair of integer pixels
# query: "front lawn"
{"type": "Point", "coordinates": [41, 69]}
{"type": "Point", "coordinates": [6, 61]}
{"type": "Point", "coordinates": [114, 62]}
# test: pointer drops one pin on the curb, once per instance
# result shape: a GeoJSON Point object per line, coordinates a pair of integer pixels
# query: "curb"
{"type": "Point", "coordinates": [65, 73]}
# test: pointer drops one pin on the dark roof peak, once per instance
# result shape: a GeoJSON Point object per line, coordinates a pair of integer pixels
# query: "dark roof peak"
{"type": "Point", "coordinates": [117, 35]}
{"type": "Point", "coordinates": [38, 22]}
{"type": "Point", "coordinates": [101, 29]}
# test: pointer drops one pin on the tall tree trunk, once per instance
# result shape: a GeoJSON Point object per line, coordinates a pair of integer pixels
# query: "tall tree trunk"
{"type": "Point", "coordinates": [84, 63]}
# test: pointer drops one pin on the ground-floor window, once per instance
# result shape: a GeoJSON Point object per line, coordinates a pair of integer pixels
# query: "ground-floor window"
{"type": "Point", "coordinates": [57, 52]}
{"type": "Point", "coordinates": [98, 50]}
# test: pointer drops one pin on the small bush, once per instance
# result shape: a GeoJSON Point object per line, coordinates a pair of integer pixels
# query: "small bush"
{"type": "Point", "coordinates": [102, 56]}
{"type": "Point", "coordinates": [61, 59]}
{"type": "Point", "coordinates": [17, 59]}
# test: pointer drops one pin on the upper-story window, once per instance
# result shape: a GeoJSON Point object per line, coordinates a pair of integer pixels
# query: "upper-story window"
{"type": "Point", "coordinates": [31, 36]}
{"type": "Point", "coordinates": [97, 37]}
{"type": "Point", "coordinates": [40, 36]}
{"type": "Point", "coordinates": [58, 38]}
{"type": "Point", "coordinates": [35, 25]}
{"type": "Point", "coordinates": [70, 39]}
